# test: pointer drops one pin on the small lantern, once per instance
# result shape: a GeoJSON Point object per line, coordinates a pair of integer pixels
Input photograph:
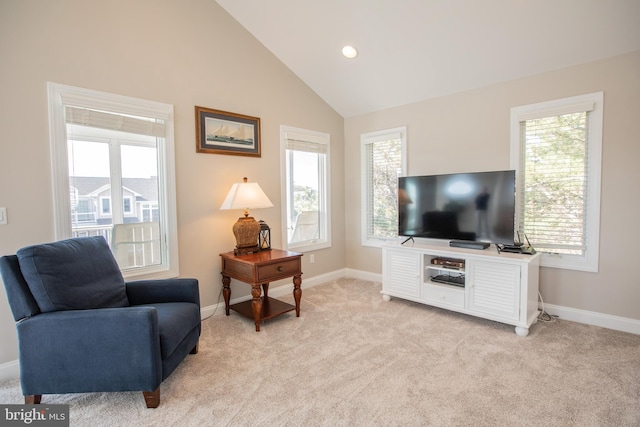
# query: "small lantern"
{"type": "Point", "coordinates": [264, 238]}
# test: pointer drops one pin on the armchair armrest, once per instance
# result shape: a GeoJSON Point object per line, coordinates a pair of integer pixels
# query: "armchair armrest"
{"type": "Point", "coordinates": [165, 290]}
{"type": "Point", "coordinates": [108, 349]}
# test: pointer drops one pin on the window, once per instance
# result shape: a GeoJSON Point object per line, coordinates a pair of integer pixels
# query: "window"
{"type": "Point", "coordinates": [305, 189]}
{"type": "Point", "coordinates": [105, 202]}
{"type": "Point", "coordinates": [113, 175]}
{"type": "Point", "coordinates": [127, 205]}
{"type": "Point", "coordinates": [556, 149]}
{"type": "Point", "coordinates": [383, 161]}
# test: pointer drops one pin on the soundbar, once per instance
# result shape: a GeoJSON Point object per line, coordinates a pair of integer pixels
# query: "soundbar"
{"type": "Point", "coordinates": [467, 244]}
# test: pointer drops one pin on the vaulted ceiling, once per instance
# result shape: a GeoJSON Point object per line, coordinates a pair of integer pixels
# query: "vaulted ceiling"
{"type": "Point", "coordinates": [412, 50]}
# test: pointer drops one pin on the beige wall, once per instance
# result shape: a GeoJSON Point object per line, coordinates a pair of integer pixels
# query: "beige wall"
{"type": "Point", "coordinates": [470, 132]}
{"type": "Point", "coordinates": [192, 53]}
{"type": "Point", "coordinates": [183, 53]}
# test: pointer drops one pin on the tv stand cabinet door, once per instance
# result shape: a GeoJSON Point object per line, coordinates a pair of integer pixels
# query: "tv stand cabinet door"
{"type": "Point", "coordinates": [401, 273]}
{"type": "Point", "coordinates": [495, 290]}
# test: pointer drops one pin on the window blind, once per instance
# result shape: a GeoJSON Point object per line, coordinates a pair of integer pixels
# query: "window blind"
{"type": "Point", "coordinates": [554, 188]}
{"type": "Point", "coordinates": [384, 164]}
{"type": "Point", "coordinates": [306, 188]}
{"type": "Point", "coordinates": [307, 143]}
{"type": "Point", "coordinates": [111, 121]}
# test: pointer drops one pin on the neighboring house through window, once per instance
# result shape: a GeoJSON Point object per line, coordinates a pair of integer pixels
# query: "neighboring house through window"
{"type": "Point", "coordinates": [113, 174]}
{"type": "Point", "coordinates": [383, 161]}
{"type": "Point", "coordinates": [556, 149]}
{"type": "Point", "coordinates": [305, 189]}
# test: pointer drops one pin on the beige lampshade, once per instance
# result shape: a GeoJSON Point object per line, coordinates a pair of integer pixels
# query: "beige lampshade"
{"type": "Point", "coordinates": [246, 195]}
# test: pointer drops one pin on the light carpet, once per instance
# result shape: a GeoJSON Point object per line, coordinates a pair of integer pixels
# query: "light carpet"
{"type": "Point", "coordinates": [353, 359]}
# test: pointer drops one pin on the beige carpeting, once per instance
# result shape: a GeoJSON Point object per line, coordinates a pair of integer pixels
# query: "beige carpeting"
{"type": "Point", "coordinates": [352, 359]}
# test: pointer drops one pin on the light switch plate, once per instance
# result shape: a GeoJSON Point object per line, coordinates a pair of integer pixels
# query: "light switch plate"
{"type": "Point", "coordinates": [3, 216]}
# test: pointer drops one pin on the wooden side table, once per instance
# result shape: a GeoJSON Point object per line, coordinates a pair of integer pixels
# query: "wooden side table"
{"type": "Point", "coordinates": [258, 270]}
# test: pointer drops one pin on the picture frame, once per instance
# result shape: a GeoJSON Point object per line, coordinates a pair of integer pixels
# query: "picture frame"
{"type": "Point", "coordinates": [222, 132]}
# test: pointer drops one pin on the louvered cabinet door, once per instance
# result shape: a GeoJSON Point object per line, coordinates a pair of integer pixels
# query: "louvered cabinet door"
{"type": "Point", "coordinates": [401, 273]}
{"type": "Point", "coordinates": [494, 290]}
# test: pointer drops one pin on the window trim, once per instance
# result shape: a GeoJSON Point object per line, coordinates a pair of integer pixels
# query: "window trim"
{"type": "Point", "coordinates": [61, 95]}
{"type": "Point", "coordinates": [371, 138]}
{"type": "Point", "coordinates": [317, 138]}
{"type": "Point", "coordinates": [594, 103]}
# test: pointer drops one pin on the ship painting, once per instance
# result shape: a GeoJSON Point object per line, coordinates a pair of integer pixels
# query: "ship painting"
{"type": "Point", "coordinates": [228, 133]}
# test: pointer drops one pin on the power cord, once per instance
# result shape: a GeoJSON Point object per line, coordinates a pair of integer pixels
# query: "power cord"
{"type": "Point", "coordinates": [217, 305]}
{"type": "Point", "coordinates": [544, 316]}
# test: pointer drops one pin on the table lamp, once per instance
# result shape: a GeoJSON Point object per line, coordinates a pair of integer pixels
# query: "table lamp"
{"type": "Point", "coordinates": [246, 195]}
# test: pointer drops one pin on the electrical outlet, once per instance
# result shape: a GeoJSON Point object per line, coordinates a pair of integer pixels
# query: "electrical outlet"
{"type": "Point", "coordinates": [312, 258]}
{"type": "Point", "coordinates": [3, 216]}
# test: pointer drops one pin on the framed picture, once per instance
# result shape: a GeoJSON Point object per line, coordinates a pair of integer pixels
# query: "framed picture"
{"type": "Point", "coordinates": [221, 132]}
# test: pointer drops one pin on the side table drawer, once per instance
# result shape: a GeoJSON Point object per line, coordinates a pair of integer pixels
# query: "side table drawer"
{"type": "Point", "coordinates": [237, 269]}
{"type": "Point", "coordinates": [269, 272]}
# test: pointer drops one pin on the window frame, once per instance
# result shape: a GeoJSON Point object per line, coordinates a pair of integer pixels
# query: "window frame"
{"type": "Point", "coordinates": [315, 137]}
{"type": "Point", "coordinates": [59, 96]}
{"type": "Point", "coordinates": [593, 103]}
{"type": "Point", "coordinates": [365, 216]}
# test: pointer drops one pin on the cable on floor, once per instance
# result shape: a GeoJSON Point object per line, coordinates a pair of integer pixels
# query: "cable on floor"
{"type": "Point", "coordinates": [544, 316]}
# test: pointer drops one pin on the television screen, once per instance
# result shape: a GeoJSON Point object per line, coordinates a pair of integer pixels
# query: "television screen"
{"type": "Point", "coordinates": [477, 206]}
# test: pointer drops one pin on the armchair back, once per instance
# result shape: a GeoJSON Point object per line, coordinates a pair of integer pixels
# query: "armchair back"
{"type": "Point", "coordinates": [21, 301]}
{"type": "Point", "coordinates": [73, 274]}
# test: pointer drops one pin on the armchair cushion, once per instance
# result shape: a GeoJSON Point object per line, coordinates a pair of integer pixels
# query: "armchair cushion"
{"type": "Point", "coordinates": [79, 351]}
{"type": "Point", "coordinates": [73, 274]}
{"type": "Point", "coordinates": [175, 321]}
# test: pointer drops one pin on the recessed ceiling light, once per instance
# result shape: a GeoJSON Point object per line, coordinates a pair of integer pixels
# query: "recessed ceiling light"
{"type": "Point", "coordinates": [349, 52]}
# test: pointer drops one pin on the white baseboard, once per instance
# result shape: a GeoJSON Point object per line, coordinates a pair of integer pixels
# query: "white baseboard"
{"type": "Point", "coordinates": [210, 310]}
{"type": "Point", "coordinates": [363, 275]}
{"type": "Point", "coordinates": [10, 370]}
{"type": "Point", "coordinates": [593, 318]}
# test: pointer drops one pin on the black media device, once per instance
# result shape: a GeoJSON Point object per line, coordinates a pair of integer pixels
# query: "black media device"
{"type": "Point", "coordinates": [518, 247]}
{"type": "Point", "coordinates": [469, 245]}
{"type": "Point", "coordinates": [470, 209]}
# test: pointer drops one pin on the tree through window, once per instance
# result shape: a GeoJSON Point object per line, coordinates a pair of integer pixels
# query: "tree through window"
{"type": "Point", "coordinates": [383, 161]}
{"type": "Point", "coordinates": [556, 150]}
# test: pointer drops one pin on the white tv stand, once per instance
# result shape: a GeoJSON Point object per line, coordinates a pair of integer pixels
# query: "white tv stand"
{"type": "Point", "coordinates": [497, 286]}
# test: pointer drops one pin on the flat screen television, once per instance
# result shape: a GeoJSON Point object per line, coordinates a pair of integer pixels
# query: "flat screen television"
{"type": "Point", "coordinates": [478, 206]}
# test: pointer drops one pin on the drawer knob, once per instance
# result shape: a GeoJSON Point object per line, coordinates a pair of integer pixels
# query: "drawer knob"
{"type": "Point", "coordinates": [280, 268]}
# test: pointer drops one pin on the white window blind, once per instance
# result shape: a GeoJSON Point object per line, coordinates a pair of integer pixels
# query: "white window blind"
{"type": "Point", "coordinates": [117, 122]}
{"type": "Point", "coordinates": [383, 163]}
{"type": "Point", "coordinates": [308, 143]}
{"type": "Point", "coordinates": [555, 186]}
{"type": "Point", "coordinates": [556, 149]}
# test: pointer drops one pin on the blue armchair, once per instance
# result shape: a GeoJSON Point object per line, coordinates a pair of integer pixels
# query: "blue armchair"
{"type": "Point", "coordinates": [82, 329]}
